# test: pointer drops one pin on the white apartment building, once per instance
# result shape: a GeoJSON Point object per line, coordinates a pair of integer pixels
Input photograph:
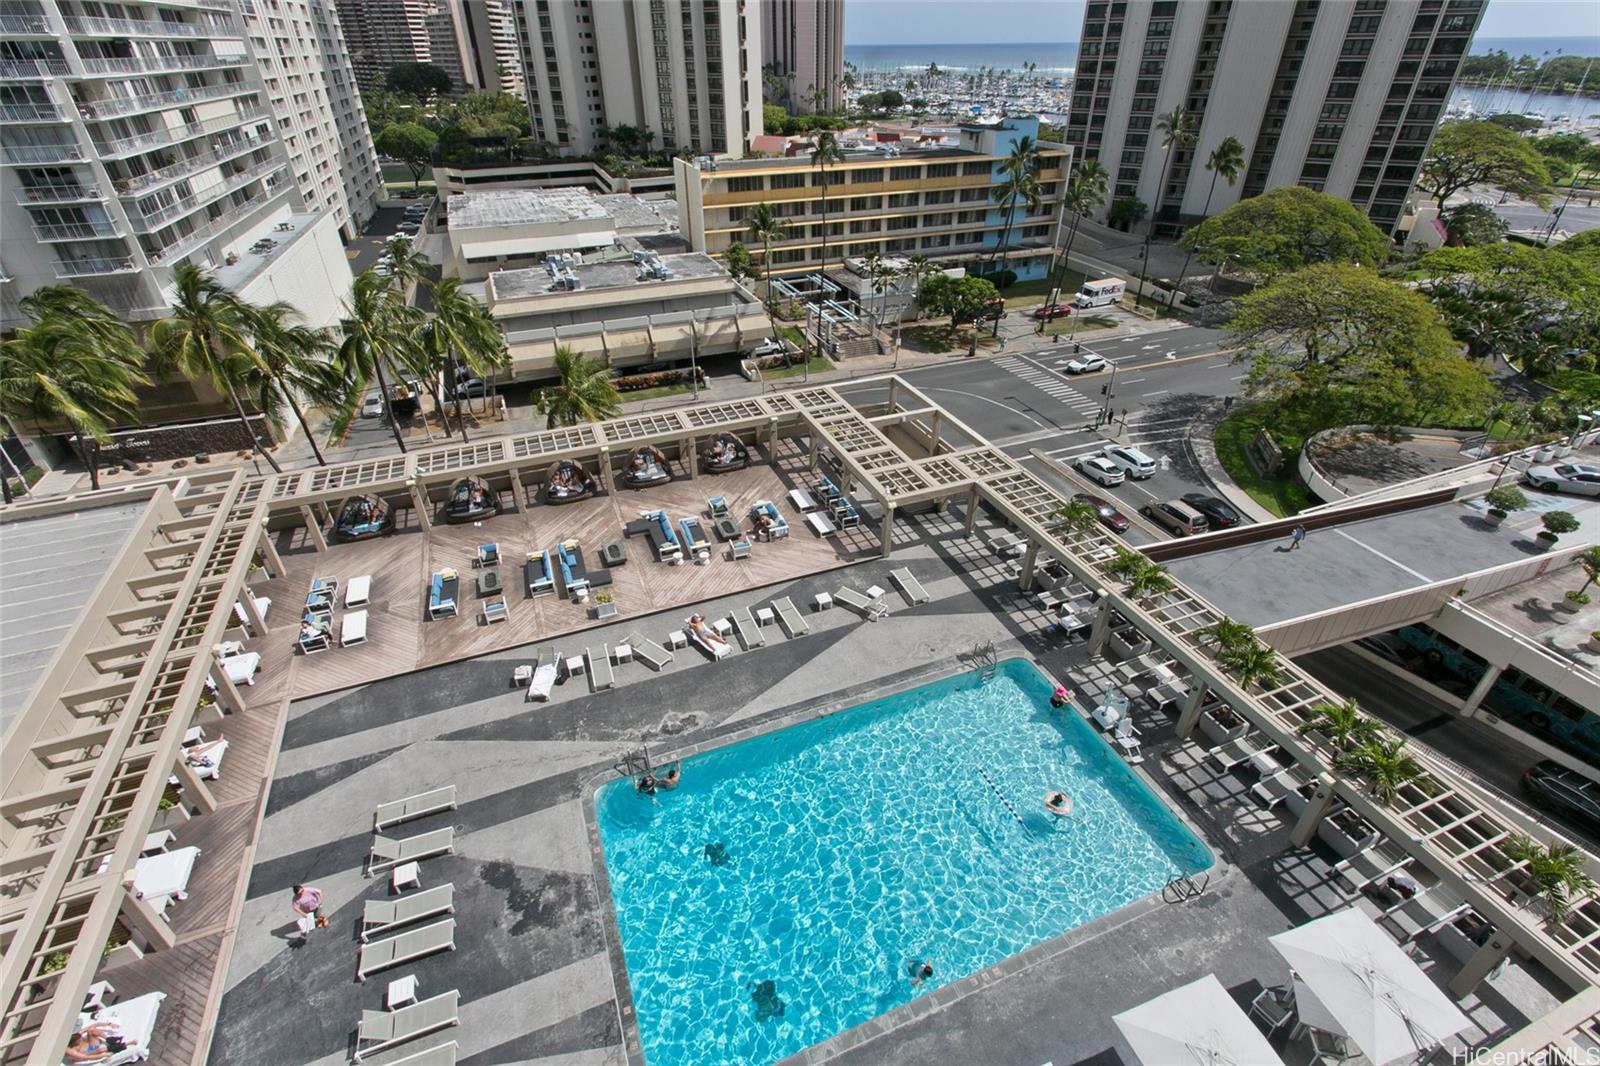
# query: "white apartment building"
{"type": "Point", "coordinates": [803, 42]}
{"type": "Point", "coordinates": [311, 90]}
{"type": "Point", "coordinates": [492, 47]}
{"type": "Point", "coordinates": [687, 70]}
{"type": "Point", "coordinates": [381, 33]}
{"type": "Point", "coordinates": [1337, 95]}
{"type": "Point", "coordinates": [135, 142]}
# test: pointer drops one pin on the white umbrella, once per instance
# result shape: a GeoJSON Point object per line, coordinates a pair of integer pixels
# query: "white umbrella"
{"type": "Point", "coordinates": [1198, 1023]}
{"type": "Point", "coordinates": [1354, 980]}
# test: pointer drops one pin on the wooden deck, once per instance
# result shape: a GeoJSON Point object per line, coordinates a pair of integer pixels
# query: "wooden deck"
{"type": "Point", "coordinates": [401, 637]}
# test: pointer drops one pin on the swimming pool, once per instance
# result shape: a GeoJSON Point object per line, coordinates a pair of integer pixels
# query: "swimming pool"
{"type": "Point", "coordinates": [776, 896]}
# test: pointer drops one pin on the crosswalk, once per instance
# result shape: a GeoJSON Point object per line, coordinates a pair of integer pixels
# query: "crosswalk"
{"type": "Point", "coordinates": [1050, 384]}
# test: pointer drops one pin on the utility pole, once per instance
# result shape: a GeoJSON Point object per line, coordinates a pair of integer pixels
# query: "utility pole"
{"type": "Point", "coordinates": [1109, 388]}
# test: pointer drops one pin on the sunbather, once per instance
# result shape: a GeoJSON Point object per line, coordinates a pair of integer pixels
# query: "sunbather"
{"type": "Point", "coordinates": [97, 1042]}
{"type": "Point", "coordinates": [1395, 888]}
{"type": "Point", "coordinates": [199, 755]}
{"type": "Point", "coordinates": [701, 630]}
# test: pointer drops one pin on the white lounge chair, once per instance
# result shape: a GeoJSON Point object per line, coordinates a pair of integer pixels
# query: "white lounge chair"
{"type": "Point", "coordinates": [383, 1029]}
{"type": "Point", "coordinates": [211, 768]}
{"type": "Point", "coordinates": [387, 851]}
{"type": "Point", "coordinates": [387, 915]}
{"type": "Point", "coordinates": [1424, 913]}
{"type": "Point", "coordinates": [1364, 867]}
{"type": "Point", "coordinates": [648, 651]}
{"type": "Point", "coordinates": [599, 668]}
{"type": "Point", "coordinates": [353, 628]}
{"type": "Point", "coordinates": [909, 585]}
{"type": "Point", "coordinates": [1127, 740]}
{"type": "Point", "coordinates": [744, 624]}
{"type": "Point", "coordinates": [870, 609]}
{"type": "Point", "coordinates": [412, 807]}
{"type": "Point", "coordinates": [1274, 789]}
{"type": "Point", "coordinates": [544, 676]}
{"type": "Point", "coordinates": [412, 944]}
{"type": "Point", "coordinates": [358, 591]}
{"type": "Point", "coordinates": [438, 1055]}
{"type": "Point", "coordinates": [1241, 750]}
{"type": "Point", "coordinates": [792, 621]}
{"type": "Point", "coordinates": [717, 649]}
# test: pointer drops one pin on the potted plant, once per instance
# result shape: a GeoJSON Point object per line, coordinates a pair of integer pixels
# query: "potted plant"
{"type": "Point", "coordinates": [1554, 874]}
{"type": "Point", "coordinates": [54, 962]}
{"type": "Point", "coordinates": [1340, 724]}
{"type": "Point", "coordinates": [1555, 524]}
{"type": "Point", "coordinates": [1227, 634]}
{"type": "Point", "coordinates": [605, 605]}
{"type": "Point", "coordinates": [1078, 516]}
{"type": "Point", "coordinates": [170, 811]}
{"type": "Point", "coordinates": [1346, 832]}
{"type": "Point", "coordinates": [1502, 501]}
{"type": "Point", "coordinates": [119, 950]}
{"type": "Point", "coordinates": [1573, 601]}
{"type": "Point", "coordinates": [1383, 764]}
{"type": "Point", "coordinates": [1594, 641]}
{"type": "Point", "coordinates": [1252, 664]}
{"type": "Point", "coordinates": [1221, 723]}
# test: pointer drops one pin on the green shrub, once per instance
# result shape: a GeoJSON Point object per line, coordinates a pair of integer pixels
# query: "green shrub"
{"type": "Point", "coordinates": [1506, 498]}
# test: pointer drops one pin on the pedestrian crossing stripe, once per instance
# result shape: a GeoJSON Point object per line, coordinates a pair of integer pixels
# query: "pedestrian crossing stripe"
{"type": "Point", "coordinates": [1049, 384]}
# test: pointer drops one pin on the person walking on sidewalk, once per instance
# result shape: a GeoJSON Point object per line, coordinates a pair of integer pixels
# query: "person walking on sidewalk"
{"type": "Point", "coordinates": [307, 906]}
{"type": "Point", "coordinates": [1296, 536]}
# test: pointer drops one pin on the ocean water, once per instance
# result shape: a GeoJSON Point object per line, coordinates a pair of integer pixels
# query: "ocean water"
{"type": "Point", "coordinates": [1578, 45]}
{"type": "Point", "coordinates": [1053, 57]}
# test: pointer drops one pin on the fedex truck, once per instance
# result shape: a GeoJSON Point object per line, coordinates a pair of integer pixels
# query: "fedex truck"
{"type": "Point", "coordinates": [1099, 293]}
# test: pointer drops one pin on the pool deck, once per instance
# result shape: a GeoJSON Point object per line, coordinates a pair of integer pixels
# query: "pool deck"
{"type": "Point", "coordinates": [535, 959]}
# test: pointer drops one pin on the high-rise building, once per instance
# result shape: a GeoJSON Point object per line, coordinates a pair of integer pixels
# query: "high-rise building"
{"type": "Point", "coordinates": [686, 70]}
{"type": "Point", "coordinates": [139, 140]}
{"type": "Point", "coordinates": [305, 67]}
{"type": "Point", "coordinates": [492, 47]}
{"type": "Point", "coordinates": [445, 22]}
{"type": "Point", "coordinates": [1337, 95]}
{"type": "Point", "coordinates": [382, 33]}
{"type": "Point", "coordinates": [802, 42]}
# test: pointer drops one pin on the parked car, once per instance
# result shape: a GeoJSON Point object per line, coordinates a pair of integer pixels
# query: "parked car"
{"type": "Point", "coordinates": [1087, 363]}
{"type": "Point", "coordinates": [471, 387]}
{"type": "Point", "coordinates": [372, 407]}
{"type": "Point", "coordinates": [410, 225]}
{"type": "Point", "coordinates": [1110, 517]}
{"type": "Point", "coordinates": [1051, 312]}
{"type": "Point", "coordinates": [1176, 517]}
{"type": "Point", "coordinates": [1218, 512]}
{"type": "Point", "coordinates": [1577, 479]}
{"type": "Point", "coordinates": [1134, 463]}
{"type": "Point", "coordinates": [1101, 469]}
{"type": "Point", "coordinates": [1564, 791]}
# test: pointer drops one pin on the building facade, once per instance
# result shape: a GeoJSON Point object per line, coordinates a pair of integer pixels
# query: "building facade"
{"type": "Point", "coordinates": [137, 142]}
{"type": "Point", "coordinates": [689, 71]}
{"type": "Point", "coordinates": [494, 56]}
{"type": "Point", "coordinates": [802, 44]}
{"type": "Point", "coordinates": [1337, 95]}
{"type": "Point", "coordinates": [937, 202]}
{"type": "Point", "coordinates": [381, 33]}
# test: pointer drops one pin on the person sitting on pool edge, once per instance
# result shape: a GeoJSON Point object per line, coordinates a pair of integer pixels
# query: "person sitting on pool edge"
{"type": "Point", "coordinates": [919, 971]}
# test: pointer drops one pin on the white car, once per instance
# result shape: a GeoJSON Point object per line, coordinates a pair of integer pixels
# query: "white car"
{"type": "Point", "coordinates": [1087, 364]}
{"type": "Point", "coordinates": [1131, 461]}
{"type": "Point", "coordinates": [1578, 479]}
{"type": "Point", "coordinates": [372, 407]}
{"type": "Point", "coordinates": [1101, 469]}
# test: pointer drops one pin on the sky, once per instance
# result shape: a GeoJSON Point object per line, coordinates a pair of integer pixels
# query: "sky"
{"type": "Point", "coordinates": [1021, 21]}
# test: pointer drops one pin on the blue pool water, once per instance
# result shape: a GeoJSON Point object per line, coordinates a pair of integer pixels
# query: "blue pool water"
{"type": "Point", "coordinates": [823, 857]}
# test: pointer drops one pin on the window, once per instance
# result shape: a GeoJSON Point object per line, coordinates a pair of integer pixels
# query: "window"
{"type": "Point", "coordinates": [942, 170]}
{"type": "Point", "coordinates": [863, 177]}
{"type": "Point", "coordinates": [905, 199]}
{"type": "Point", "coordinates": [975, 170]}
{"type": "Point", "coordinates": [866, 203]}
{"type": "Point", "coordinates": [744, 184]}
{"type": "Point", "coordinates": [788, 181]}
{"type": "Point", "coordinates": [943, 196]}
{"type": "Point", "coordinates": [905, 173]}
{"type": "Point", "coordinates": [970, 195]}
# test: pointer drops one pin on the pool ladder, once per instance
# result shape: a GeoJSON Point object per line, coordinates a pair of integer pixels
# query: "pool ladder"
{"type": "Point", "coordinates": [1181, 888]}
{"type": "Point", "coordinates": [1001, 796]}
{"type": "Point", "coordinates": [982, 657]}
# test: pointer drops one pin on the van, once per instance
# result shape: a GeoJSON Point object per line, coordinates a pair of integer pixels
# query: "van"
{"type": "Point", "coordinates": [1177, 516]}
{"type": "Point", "coordinates": [1132, 461]}
{"type": "Point", "coordinates": [1099, 293]}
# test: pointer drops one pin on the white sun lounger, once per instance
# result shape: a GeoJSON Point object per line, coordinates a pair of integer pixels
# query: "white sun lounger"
{"type": "Point", "coordinates": [544, 675]}
{"type": "Point", "coordinates": [745, 625]}
{"type": "Point", "coordinates": [1241, 750]}
{"type": "Point", "coordinates": [1365, 867]}
{"type": "Point", "coordinates": [358, 591]}
{"type": "Point", "coordinates": [438, 1055]}
{"type": "Point", "coordinates": [871, 610]}
{"type": "Point", "coordinates": [648, 651]}
{"type": "Point", "coordinates": [383, 1029]}
{"type": "Point", "coordinates": [1424, 913]}
{"type": "Point", "coordinates": [353, 628]}
{"type": "Point", "coordinates": [599, 668]}
{"type": "Point", "coordinates": [387, 915]}
{"type": "Point", "coordinates": [1273, 789]}
{"type": "Point", "coordinates": [718, 650]}
{"type": "Point", "coordinates": [411, 807]}
{"type": "Point", "coordinates": [387, 851]}
{"type": "Point", "coordinates": [412, 944]}
{"type": "Point", "coordinates": [793, 622]}
{"type": "Point", "coordinates": [909, 585]}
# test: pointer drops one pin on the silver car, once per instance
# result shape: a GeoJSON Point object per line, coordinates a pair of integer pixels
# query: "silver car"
{"type": "Point", "coordinates": [1577, 479]}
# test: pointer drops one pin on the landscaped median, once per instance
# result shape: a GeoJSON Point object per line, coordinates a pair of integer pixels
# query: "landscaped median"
{"type": "Point", "coordinates": [1282, 494]}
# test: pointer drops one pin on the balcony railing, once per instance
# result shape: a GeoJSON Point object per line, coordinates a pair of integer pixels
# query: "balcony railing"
{"type": "Point", "coordinates": [182, 244]}
{"type": "Point", "coordinates": [42, 153]}
{"type": "Point", "coordinates": [23, 69]}
{"type": "Point", "coordinates": [86, 266]}
{"type": "Point", "coordinates": [58, 194]}
{"type": "Point", "coordinates": [159, 64]}
{"type": "Point", "coordinates": [150, 221]}
{"type": "Point", "coordinates": [25, 25]}
{"type": "Point", "coordinates": [104, 27]}
{"type": "Point", "coordinates": [32, 113]}
{"type": "Point", "coordinates": [138, 186]}
{"type": "Point", "coordinates": [143, 142]}
{"type": "Point", "coordinates": [75, 231]}
{"type": "Point", "coordinates": [112, 107]}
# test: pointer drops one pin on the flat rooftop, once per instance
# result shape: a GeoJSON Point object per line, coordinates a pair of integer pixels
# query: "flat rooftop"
{"type": "Point", "coordinates": [908, 154]}
{"type": "Point", "coordinates": [251, 264]}
{"type": "Point", "coordinates": [619, 273]}
{"type": "Point", "coordinates": [631, 213]}
{"type": "Point", "coordinates": [49, 567]}
{"type": "Point", "coordinates": [520, 207]}
{"type": "Point", "coordinates": [1526, 609]}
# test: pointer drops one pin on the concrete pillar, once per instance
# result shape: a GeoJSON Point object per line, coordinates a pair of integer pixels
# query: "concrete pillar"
{"type": "Point", "coordinates": [894, 392]}
{"type": "Point", "coordinates": [887, 534]}
{"type": "Point", "coordinates": [1029, 558]}
{"type": "Point", "coordinates": [271, 561]}
{"type": "Point", "coordinates": [933, 432]}
{"type": "Point", "coordinates": [420, 504]}
{"type": "Point", "coordinates": [195, 793]}
{"type": "Point", "coordinates": [816, 447]}
{"type": "Point", "coordinates": [1492, 952]}
{"type": "Point", "coordinates": [1481, 690]}
{"type": "Point", "coordinates": [324, 512]}
{"type": "Point", "coordinates": [313, 528]}
{"type": "Point", "coordinates": [516, 488]}
{"type": "Point", "coordinates": [844, 479]}
{"type": "Point", "coordinates": [252, 613]}
{"type": "Point", "coordinates": [1189, 715]}
{"type": "Point", "coordinates": [972, 511]}
{"type": "Point", "coordinates": [604, 475]}
{"type": "Point", "coordinates": [1316, 807]}
{"type": "Point", "coordinates": [227, 693]}
{"type": "Point", "coordinates": [772, 440]}
{"type": "Point", "coordinates": [690, 460]}
{"type": "Point", "coordinates": [1101, 628]}
{"type": "Point", "coordinates": [143, 921]}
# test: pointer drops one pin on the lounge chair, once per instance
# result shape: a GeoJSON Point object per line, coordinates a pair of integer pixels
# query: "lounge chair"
{"type": "Point", "coordinates": [438, 1055]}
{"type": "Point", "coordinates": [539, 573]}
{"type": "Point", "coordinates": [241, 668]}
{"type": "Point", "coordinates": [1126, 739]}
{"type": "Point", "coordinates": [1274, 789]}
{"type": "Point", "coordinates": [1364, 867]}
{"type": "Point", "coordinates": [359, 591]}
{"type": "Point", "coordinates": [745, 625]}
{"type": "Point", "coordinates": [599, 669]}
{"type": "Point", "coordinates": [386, 915]}
{"type": "Point", "coordinates": [442, 590]}
{"type": "Point", "coordinates": [488, 555]}
{"type": "Point", "coordinates": [909, 585]}
{"type": "Point", "coordinates": [717, 649]}
{"type": "Point", "coordinates": [410, 808]}
{"type": "Point", "coordinates": [387, 851]}
{"type": "Point", "coordinates": [544, 675]}
{"type": "Point", "coordinates": [412, 944]}
{"type": "Point", "coordinates": [648, 651]}
{"type": "Point", "coordinates": [384, 1029]}
{"type": "Point", "coordinates": [496, 610]}
{"type": "Point", "coordinates": [1241, 750]}
{"type": "Point", "coordinates": [844, 512]}
{"type": "Point", "coordinates": [739, 549]}
{"type": "Point", "coordinates": [311, 643]}
{"type": "Point", "coordinates": [792, 621]}
{"type": "Point", "coordinates": [353, 628]}
{"type": "Point", "coordinates": [694, 539]}
{"type": "Point", "coordinates": [778, 529]}
{"type": "Point", "coordinates": [1424, 913]}
{"type": "Point", "coordinates": [870, 609]}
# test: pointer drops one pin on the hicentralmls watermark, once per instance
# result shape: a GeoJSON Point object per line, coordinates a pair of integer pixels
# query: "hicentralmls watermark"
{"type": "Point", "coordinates": [1545, 1056]}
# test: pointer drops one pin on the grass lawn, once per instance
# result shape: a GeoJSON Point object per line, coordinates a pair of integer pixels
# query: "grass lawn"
{"type": "Point", "coordinates": [794, 336]}
{"type": "Point", "coordinates": [1583, 385]}
{"type": "Point", "coordinates": [817, 365]}
{"type": "Point", "coordinates": [1282, 496]}
{"type": "Point", "coordinates": [942, 338]}
{"type": "Point", "coordinates": [1028, 293]}
{"type": "Point", "coordinates": [31, 475]}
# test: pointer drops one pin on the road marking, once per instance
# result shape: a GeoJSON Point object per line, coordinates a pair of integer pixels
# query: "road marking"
{"type": "Point", "coordinates": [1157, 392]}
{"type": "Point", "coordinates": [1214, 366]}
{"type": "Point", "coordinates": [1386, 558]}
{"type": "Point", "coordinates": [1147, 423]}
{"type": "Point", "coordinates": [1141, 488]}
{"type": "Point", "coordinates": [1130, 381]}
{"type": "Point", "coordinates": [1236, 377]}
{"type": "Point", "coordinates": [985, 399]}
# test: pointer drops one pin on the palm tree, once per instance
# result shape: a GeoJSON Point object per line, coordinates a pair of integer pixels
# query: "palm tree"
{"type": "Point", "coordinates": [295, 360]}
{"type": "Point", "coordinates": [1342, 723]}
{"type": "Point", "coordinates": [208, 335]}
{"type": "Point", "coordinates": [74, 362]}
{"type": "Point", "coordinates": [1144, 578]}
{"type": "Point", "coordinates": [1019, 182]}
{"type": "Point", "coordinates": [1228, 634]}
{"type": "Point", "coordinates": [765, 226]}
{"type": "Point", "coordinates": [1554, 873]}
{"type": "Point", "coordinates": [825, 151]}
{"type": "Point", "coordinates": [1226, 160]}
{"type": "Point", "coordinates": [410, 267]}
{"type": "Point", "coordinates": [1177, 134]}
{"type": "Point", "coordinates": [461, 329]}
{"type": "Point", "coordinates": [379, 335]}
{"type": "Point", "coordinates": [1078, 515]}
{"type": "Point", "coordinates": [1589, 559]}
{"type": "Point", "coordinates": [918, 267]}
{"type": "Point", "coordinates": [584, 392]}
{"type": "Point", "coordinates": [1383, 763]}
{"type": "Point", "coordinates": [1253, 663]}
{"type": "Point", "coordinates": [1085, 192]}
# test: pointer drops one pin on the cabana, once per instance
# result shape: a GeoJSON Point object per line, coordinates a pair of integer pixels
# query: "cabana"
{"type": "Point", "coordinates": [361, 517]}
{"type": "Point", "coordinates": [647, 467]}
{"type": "Point", "coordinates": [471, 500]}
{"type": "Point", "coordinates": [568, 482]}
{"type": "Point", "coordinates": [726, 452]}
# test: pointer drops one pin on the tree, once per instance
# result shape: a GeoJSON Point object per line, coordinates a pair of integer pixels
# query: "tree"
{"type": "Point", "coordinates": [1584, 247]}
{"type": "Point", "coordinates": [421, 80]}
{"type": "Point", "coordinates": [1127, 212]}
{"type": "Point", "coordinates": [583, 392]}
{"type": "Point", "coordinates": [964, 299]}
{"type": "Point", "coordinates": [1078, 515]}
{"type": "Point", "coordinates": [765, 226]}
{"type": "Point", "coordinates": [1345, 726]}
{"type": "Point", "coordinates": [1471, 224]}
{"type": "Point", "coordinates": [774, 119]}
{"type": "Point", "coordinates": [408, 267]}
{"type": "Point", "coordinates": [461, 330]}
{"type": "Point", "coordinates": [1555, 873]}
{"type": "Point", "coordinates": [1252, 663]}
{"type": "Point", "coordinates": [380, 339]}
{"type": "Point", "coordinates": [411, 144]}
{"type": "Point", "coordinates": [1285, 229]}
{"type": "Point", "coordinates": [739, 265]}
{"type": "Point", "coordinates": [1226, 634]}
{"type": "Point", "coordinates": [1226, 161]}
{"type": "Point", "coordinates": [1528, 304]}
{"type": "Point", "coordinates": [1142, 578]}
{"type": "Point", "coordinates": [1177, 134]}
{"type": "Point", "coordinates": [826, 150]}
{"type": "Point", "coordinates": [890, 99]}
{"type": "Point", "coordinates": [208, 336]}
{"type": "Point", "coordinates": [1019, 184]}
{"type": "Point", "coordinates": [295, 359]}
{"type": "Point", "coordinates": [1514, 123]}
{"type": "Point", "coordinates": [1384, 764]}
{"type": "Point", "coordinates": [75, 362]}
{"type": "Point", "coordinates": [918, 268]}
{"type": "Point", "coordinates": [1085, 192]}
{"type": "Point", "coordinates": [1464, 154]}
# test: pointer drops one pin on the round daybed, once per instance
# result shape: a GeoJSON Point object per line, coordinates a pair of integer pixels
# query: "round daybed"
{"type": "Point", "coordinates": [471, 499]}
{"type": "Point", "coordinates": [726, 452]}
{"type": "Point", "coordinates": [361, 517]}
{"type": "Point", "coordinates": [567, 482]}
{"type": "Point", "coordinates": [647, 467]}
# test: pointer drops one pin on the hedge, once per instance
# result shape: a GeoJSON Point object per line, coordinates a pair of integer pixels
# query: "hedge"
{"type": "Point", "coordinates": [635, 382]}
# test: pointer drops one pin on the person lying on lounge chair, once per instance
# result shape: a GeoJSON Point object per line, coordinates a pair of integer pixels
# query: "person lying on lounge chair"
{"type": "Point", "coordinates": [199, 755]}
{"type": "Point", "coordinates": [311, 629]}
{"type": "Point", "coordinates": [96, 1043]}
{"type": "Point", "coordinates": [699, 627]}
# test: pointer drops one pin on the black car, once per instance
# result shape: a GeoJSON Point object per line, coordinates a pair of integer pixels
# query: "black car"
{"type": "Point", "coordinates": [1110, 517]}
{"type": "Point", "coordinates": [1219, 513]}
{"type": "Point", "coordinates": [1565, 792]}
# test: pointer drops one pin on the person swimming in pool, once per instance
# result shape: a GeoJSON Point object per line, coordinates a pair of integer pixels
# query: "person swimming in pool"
{"type": "Point", "coordinates": [1058, 698]}
{"type": "Point", "coordinates": [919, 971]}
{"type": "Point", "coordinates": [1058, 803]}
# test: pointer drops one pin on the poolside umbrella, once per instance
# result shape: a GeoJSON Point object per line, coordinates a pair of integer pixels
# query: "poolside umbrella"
{"type": "Point", "coordinates": [1352, 979]}
{"type": "Point", "coordinates": [1198, 1023]}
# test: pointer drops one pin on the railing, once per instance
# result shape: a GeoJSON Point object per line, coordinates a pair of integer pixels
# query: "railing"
{"type": "Point", "coordinates": [34, 68]}
{"type": "Point", "coordinates": [78, 268]}
{"type": "Point", "coordinates": [75, 231]}
{"type": "Point", "coordinates": [152, 221]}
{"type": "Point", "coordinates": [31, 113]}
{"type": "Point", "coordinates": [57, 194]}
{"type": "Point", "coordinates": [137, 186]}
{"type": "Point", "coordinates": [112, 107]}
{"type": "Point", "coordinates": [24, 24]}
{"type": "Point", "coordinates": [175, 134]}
{"type": "Point", "coordinates": [105, 27]}
{"type": "Point", "coordinates": [181, 245]}
{"type": "Point", "coordinates": [43, 153]}
{"type": "Point", "coordinates": [158, 64]}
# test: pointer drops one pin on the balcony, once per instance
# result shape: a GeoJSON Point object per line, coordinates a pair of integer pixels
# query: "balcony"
{"type": "Point", "coordinates": [29, 195]}
{"type": "Point", "coordinates": [149, 222]}
{"type": "Point", "coordinates": [183, 168]}
{"type": "Point", "coordinates": [42, 153]}
{"type": "Point", "coordinates": [24, 26]}
{"type": "Point", "coordinates": [32, 113]}
{"type": "Point", "coordinates": [75, 231]}
{"type": "Point", "coordinates": [183, 244]}
{"type": "Point", "coordinates": [113, 107]}
{"type": "Point", "coordinates": [33, 69]}
{"type": "Point", "coordinates": [86, 266]}
{"type": "Point", "coordinates": [80, 26]}
{"type": "Point", "coordinates": [176, 134]}
{"type": "Point", "coordinates": [159, 64]}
